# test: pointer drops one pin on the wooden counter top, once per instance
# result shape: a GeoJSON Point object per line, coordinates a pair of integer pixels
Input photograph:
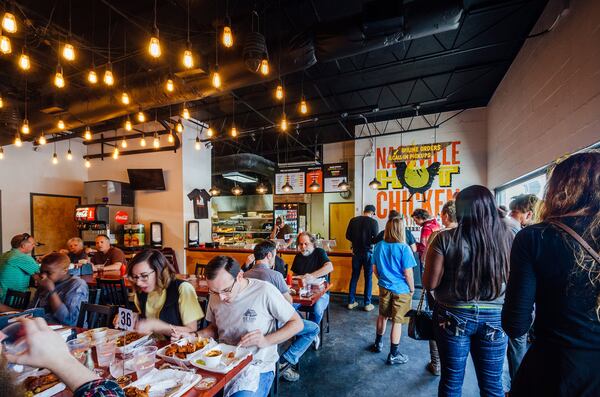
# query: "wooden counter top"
{"type": "Point", "coordinates": [226, 249]}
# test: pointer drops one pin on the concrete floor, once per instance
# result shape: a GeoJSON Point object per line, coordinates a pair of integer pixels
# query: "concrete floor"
{"type": "Point", "coordinates": [344, 367]}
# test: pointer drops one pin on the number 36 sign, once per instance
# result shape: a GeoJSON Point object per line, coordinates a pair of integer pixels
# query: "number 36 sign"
{"type": "Point", "coordinates": [126, 319]}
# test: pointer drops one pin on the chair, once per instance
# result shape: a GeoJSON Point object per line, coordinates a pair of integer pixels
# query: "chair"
{"type": "Point", "coordinates": [310, 309]}
{"type": "Point", "coordinates": [200, 269]}
{"type": "Point", "coordinates": [112, 292]}
{"type": "Point", "coordinates": [94, 316]}
{"type": "Point", "coordinates": [93, 296]}
{"type": "Point", "coordinates": [17, 299]}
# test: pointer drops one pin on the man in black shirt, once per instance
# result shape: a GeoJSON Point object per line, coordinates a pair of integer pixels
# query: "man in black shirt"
{"type": "Point", "coordinates": [361, 231]}
{"type": "Point", "coordinates": [311, 263]}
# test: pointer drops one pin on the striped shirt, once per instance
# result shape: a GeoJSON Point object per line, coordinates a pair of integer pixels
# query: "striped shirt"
{"type": "Point", "coordinates": [16, 269]}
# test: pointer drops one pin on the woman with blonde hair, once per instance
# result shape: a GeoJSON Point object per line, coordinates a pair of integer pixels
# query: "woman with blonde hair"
{"type": "Point", "coordinates": [393, 262]}
{"type": "Point", "coordinates": [555, 265]}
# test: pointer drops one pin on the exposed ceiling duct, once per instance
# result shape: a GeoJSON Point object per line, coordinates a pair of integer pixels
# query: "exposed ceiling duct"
{"type": "Point", "coordinates": [380, 25]}
{"type": "Point", "coordinates": [244, 162]}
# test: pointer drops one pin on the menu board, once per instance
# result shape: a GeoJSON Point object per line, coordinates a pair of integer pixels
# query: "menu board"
{"type": "Point", "coordinates": [294, 177]}
{"type": "Point", "coordinates": [333, 175]}
{"type": "Point", "coordinates": [314, 174]}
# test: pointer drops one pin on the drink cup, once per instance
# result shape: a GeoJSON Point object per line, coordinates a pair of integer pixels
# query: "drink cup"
{"type": "Point", "coordinates": [105, 352]}
{"type": "Point", "coordinates": [144, 360]}
{"type": "Point", "coordinates": [78, 347]}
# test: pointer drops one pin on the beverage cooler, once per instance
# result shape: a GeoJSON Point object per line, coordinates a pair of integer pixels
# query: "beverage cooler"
{"type": "Point", "coordinates": [95, 219]}
{"type": "Point", "coordinates": [294, 215]}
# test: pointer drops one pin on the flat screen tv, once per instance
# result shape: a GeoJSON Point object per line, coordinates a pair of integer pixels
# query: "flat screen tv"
{"type": "Point", "coordinates": [146, 179]}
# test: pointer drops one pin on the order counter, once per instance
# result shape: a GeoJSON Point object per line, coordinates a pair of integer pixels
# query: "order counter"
{"type": "Point", "coordinates": [341, 259]}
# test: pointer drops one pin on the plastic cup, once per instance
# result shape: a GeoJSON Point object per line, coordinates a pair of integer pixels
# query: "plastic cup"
{"type": "Point", "coordinates": [78, 347]}
{"type": "Point", "coordinates": [144, 360]}
{"type": "Point", "coordinates": [121, 365]}
{"type": "Point", "coordinates": [105, 352]}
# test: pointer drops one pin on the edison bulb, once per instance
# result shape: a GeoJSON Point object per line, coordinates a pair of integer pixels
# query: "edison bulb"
{"type": "Point", "coordinates": [109, 79]}
{"type": "Point", "coordinates": [25, 127]}
{"type": "Point", "coordinates": [303, 107]}
{"type": "Point", "coordinates": [197, 145]}
{"type": "Point", "coordinates": [115, 154]}
{"type": "Point", "coordinates": [59, 79]}
{"type": "Point", "coordinates": [1, 103]}
{"type": "Point", "coordinates": [216, 79]}
{"type": "Point", "coordinates": [9, 22]}
{"type": "Point", "coordinates": [128, 126]}
{"type": "Point", "coordinates": [171, 138]}
{"type": "Point", "coordinates": [92, 77]}
{"type": "Point", "coordinates": [179, 127]}
{"type": "Point", "coordinates": [54, 158]}
{"type": "Point", "coordinates": [18, 141]}
{"type": "Point", "coordinates": [60, 124]}
{"type": "Point", "coordinates": [24, 62]}
{"type": "Point", "coordinates": [284, 123]}
{"type": "Point", "coordinates": [5, 46]}
{"type": "Point", "coordinates": [156, 142]}
{"type": "Point", "coordinates": [143, 141]}
{"type": "Point", "coordinates": [227, 37]}
{"type": "Point", "coordinates": [210, 132]}
{"type": "Point", "coordinates": [154, 47]}
{"type": "Point", "coordinates": [42, 141]}
{"type": "Point", "coordinates": [123, 143]}
{"type": "Point", "coordinates": [141, 116]}
{"type": "Point", "coordinates": [125, 98]}
{"type": "Point", "coordinates": [169, 85]}
{"type": "Point", "coordinates": [87, 163]}
{"type": "Point", "coordinates": [69, 155]}
{"type": "Point", "coordinates": [264, 67]}
{"type": "Point", "coordinates": [185, 114]}
{"type": "Point", "coordinates": [234, 131]}
{"type": "Point", "coordinates": [1, 153]}
{"type": "Point", "coordinates": [279, 92]}
{"type": "Point", "coordinates": [188, 59]}
{"type": "Point", "coordinates": [68, 52]}
{"type": "Point", "coordinates": [87, 135]}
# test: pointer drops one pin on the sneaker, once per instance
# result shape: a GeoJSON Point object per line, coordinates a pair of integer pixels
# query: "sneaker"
{"type": "Point", "coordinates": [376, 347]}
{"type": "Point", "coordinates": [290, 374]}
{"type": "Point", "coordinates": [397, 359]}
{"type": "Point", "coordinates": [435, 370]}
{"type": "Point", "coordinates": [369, 307]}
{"type": "Point", "coordinates": [317, 342]}
{"type": "Point", "coordinates": [352, 305]}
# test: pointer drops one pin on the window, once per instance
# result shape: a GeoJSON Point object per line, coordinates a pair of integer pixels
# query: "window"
{"type": "Point", "coordinates": [534, 184]}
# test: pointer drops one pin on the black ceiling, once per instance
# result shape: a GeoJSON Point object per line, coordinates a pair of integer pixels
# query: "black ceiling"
{"type": "Point", "coordinates": [452, 70]}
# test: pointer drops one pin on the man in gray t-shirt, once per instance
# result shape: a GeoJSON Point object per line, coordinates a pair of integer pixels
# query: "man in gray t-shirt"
{"type": "Point", "coordinates": [263, 269]}
{"type": "Point", "coordinates": [246, 312]}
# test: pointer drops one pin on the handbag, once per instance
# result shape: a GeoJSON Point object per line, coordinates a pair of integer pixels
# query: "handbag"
{"type": "Point", "coordinates": [577, 238]}
{"type": "Point", "coordinates": [420, 325]}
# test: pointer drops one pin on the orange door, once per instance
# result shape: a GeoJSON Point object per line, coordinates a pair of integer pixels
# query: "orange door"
{"type": "Point", "coordinates": [339, 217]}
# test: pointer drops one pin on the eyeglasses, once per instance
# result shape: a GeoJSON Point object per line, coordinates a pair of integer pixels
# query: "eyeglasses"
{"type": "Point", "coordinates": [142, 277]}
{"type": "Point", "coordinates": [226, 291]}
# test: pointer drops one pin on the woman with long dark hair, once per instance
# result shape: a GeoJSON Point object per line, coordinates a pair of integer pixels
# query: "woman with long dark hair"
{"type": "Point", "coordinates": [551, 268]}
{"type": "Point", "coordinates": [467, 270]}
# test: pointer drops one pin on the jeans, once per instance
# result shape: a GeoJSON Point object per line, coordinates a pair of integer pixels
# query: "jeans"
{"type": "Point", "coordinates": [266, 379]}
{"type": "Point", "coordinates": [302, 342]}
{"type": "Point", "coordinates": [517, 347]}
{"type": "Point", "coordinates": [474, 330]}
{"type": "Point", "coordinates": [361, 261]}
{"type": "Point", "coordinates": [316, 315]}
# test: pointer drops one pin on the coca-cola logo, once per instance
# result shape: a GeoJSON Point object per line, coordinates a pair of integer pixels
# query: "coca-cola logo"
{"type": "Point", "coordinates": [85, 214]}
{"type": "Point", "coordinates": [121, 217]}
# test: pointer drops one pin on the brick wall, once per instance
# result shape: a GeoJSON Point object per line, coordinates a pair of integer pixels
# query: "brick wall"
{"type": "Point", "coordinates": [548, 104]}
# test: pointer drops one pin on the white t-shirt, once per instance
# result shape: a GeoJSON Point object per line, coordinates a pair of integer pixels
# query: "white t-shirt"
{"type": "Point", "coordinates": [259, 306]}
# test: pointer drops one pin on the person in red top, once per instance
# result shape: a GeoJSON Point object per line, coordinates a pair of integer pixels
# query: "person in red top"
{"type": "Point", "coordinates": [428, 226]}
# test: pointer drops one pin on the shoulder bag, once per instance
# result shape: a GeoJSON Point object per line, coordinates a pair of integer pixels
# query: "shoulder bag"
{"type": "Point", "coordinates": [420, 325]}
{"type": "Point", "coordinates": [577, 238]}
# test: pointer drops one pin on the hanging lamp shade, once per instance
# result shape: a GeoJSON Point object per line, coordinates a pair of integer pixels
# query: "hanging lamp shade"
{"type": "Point", "coordinates": [262, 188]}
{"type": "Point", "coordinates": [214, 190]}
{"type": "Point", "coordinates": [237, 190]}
{"type": "Point", "coordinates": [287, 187]}
{"type": "Point", "coordinates": [343, 185]}
{"type": "Point", "coordinates": [314, 186]}
{"type": "Point", "coordinates": [374, 184]}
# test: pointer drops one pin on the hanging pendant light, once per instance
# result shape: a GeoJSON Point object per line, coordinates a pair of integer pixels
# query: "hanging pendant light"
{"type": "Point", "coordinates": [154, 44]}
{"type": "Point", "coordinates": [1, 153]}
{"type": "Point", "coordinates": [214, 191]}
{"type": "Point", "coordinates": [210, 132]}
{"type": "Point", "coordinates": [156, 141]}
{"type": "Point", "coordinates": [69, 155]}
{"type": "Point", "coordinates": [115, 154]}
{"type": "Point", "coordinates": [170, 85]}
{"type": "Point", "coordinates": [303, 106]}
{"type": "Point", "coordinates": [261, 188]}
{"type": "Point", "coordinates": [287, 187]}
{"type": "Point", "coordinates": [54, 158]}
{"type": "Point", "coordinates": [374, 184]}
{"type": "Point", "coordinates": [237, 190]}
{"type": "Point", "coordinates": [343, 185]}
{"type": "Point", "coordinates": [125, 98]}
{"type": "Point", "coordinates": [264, 67]}
{"type": "Point", "coordinates": [18, 142]}
{"type": "Point", "coordinates": [1, 102]}
{"type": "Point", "coordinates": [24, 61]}
{"type": "Point", "coordinates": [9, 22]}
{"type": "Point", "coordinates": [128, 125]}
{"type": "Point", "coordinates": [179, 127]}
{"type": "Point", "coordinates": [314, 186]}
{"type": "Point", "coordinates": [60, 124]}
{"type": "Point", "coordinates": [5, 46]}
{"type": "Point", "coordinates": [185, 113]}
{"type": "Point", "coordinates": [92, 77]}
{"type": "Point", "coordinates": [188, 59]}
{"type": "Point", "coordinates": [143, 141]}
{"type": "Point", "coordinates": [198, 144]}
{"type": "Point", "coordinates": [284, 123]}
{"type": "Point", "coordinates": [279, 92]}
{"type": "Point", "coordinates": [227, 37]}
{"type": "Point", "coordinates": [68, 52]}
{"type": "Point", "coordinates": [216, 78]}
{"type": "Point", "coordinates": [87, 163]}
{"type": "Point", "coordinates": [42, 141]}
{"type": "Point", "coordinates": [233, 132]}
{"type": "Point", "coordinates": [87, 135]}
{"type": "Point", "coordinates": [124, 143]}
{"type": "Point", "coordinates": [25, 127]}
{"type": "Point", "coordinates": [59, 80]}
{"type": "Point", "coordinates": [108, 79]}
{"type": "Point", "coordinates": [171, 138]}
{"type": "Point", "coordinates": [141, 116]}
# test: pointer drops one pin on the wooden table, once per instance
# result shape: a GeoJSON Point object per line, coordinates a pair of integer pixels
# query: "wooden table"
{"type": "Point", "coordinates": [221, 379]}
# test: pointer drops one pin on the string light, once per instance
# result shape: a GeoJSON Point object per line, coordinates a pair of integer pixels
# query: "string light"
{"type": "Point", "coordinates": [87, 135]}
{"type": "Point", "coordinates": [25, 127]}
{"type": "Point", "coordinates": [169, 85]}
{"type": "Point", "coordinates": [234, 131]}
{"type": "Point", "coordinates": [60, 124]}
{"type": "Point", "coordinates": [88, 164]}
{"type": "Point", "coordinates": [18, 142]}
{"type": "Point", "coordinates": [197, 145]}
{"type": "Point", "coordinates": [128, 125]}
{"type": "Point", "coordinates": [284, 123]}
{"type": "Point", "coordinates": [59, 80]}
{"type": "Point", "coordinates": [210, 132]}
{"type": "Point", "coordinates": [24, 61]}
{"type": "Point", "coordinates": [69, 155]}
{"type": "Point", "coordinates": [124, 143]}
{"type": "Point", "coordinates": [171, 138]}
{"type": "Point", "coordinates": [143, 141]}
{"type": "Point", "coordinates": [188, 59]}
{"type": "Point", "coordinates": [125, 98]}
{"type": "Point", "coordinates": [303, 106]}
{"type": "Point", "coordinates": [68, 52]}
{"type": "Point", "coordinates": [185, 113]}
{"type": "Point", "coordinates": [264, 67]}
{"type": "Point", "coordinates": [109, 79]}
{"type": "Point", "coordinates": [1, 102]}
{"type": "Point", "coordinates": [92, 77]}
{"type": "Point", "coordinates": [156, 141]}
{"type": "Point", "coordinates": [42, 141]}
{"type": "Point", "coordinates": [141, 117]}
{"type": "Point", "coordinates": [216, 78]}
{"type": "Point", "coordinates": [227, 37]}
{"type": "Point", "coordinates": [179, 127]}
{"type": "Point", "coordinates": [115, 154]}
{"type": "Point", "coordinates": [55, 158]}
{"type": "Point", "coordinates": [154, 44]}
{"type": "Point", "coordinates": [5, 46]}
{"type": "Point", "coordinates": [9, 23]}
{"type": "Point", "coordinates": [279, 92]}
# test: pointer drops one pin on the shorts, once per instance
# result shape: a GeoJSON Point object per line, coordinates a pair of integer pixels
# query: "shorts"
{"type": "Point", "coordinates": [394, 306]}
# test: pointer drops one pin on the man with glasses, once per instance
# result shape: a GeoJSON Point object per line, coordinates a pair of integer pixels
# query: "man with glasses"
{"type": "Point", "coordinates": [17, 265]}
{"type": "Point", "coordinates": [265, 253]}
{"type": "Point", "coordinates": [246, 312]}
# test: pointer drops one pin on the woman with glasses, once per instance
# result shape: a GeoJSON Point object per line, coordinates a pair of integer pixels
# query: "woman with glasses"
{"type": "Point", "coordinates": [165, 303]}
